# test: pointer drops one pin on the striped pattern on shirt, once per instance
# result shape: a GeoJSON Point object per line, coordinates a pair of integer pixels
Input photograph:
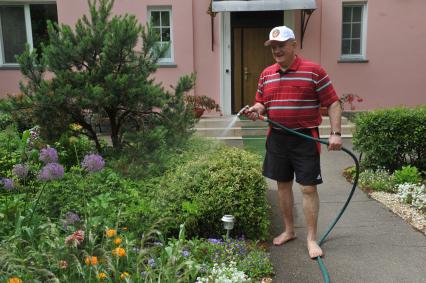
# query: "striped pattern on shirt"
{"type": "Point", "coordinates": [293, 97]}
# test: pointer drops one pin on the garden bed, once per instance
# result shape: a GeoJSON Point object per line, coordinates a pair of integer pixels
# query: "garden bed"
{"type": "Point", "coordinates": [411, 215]}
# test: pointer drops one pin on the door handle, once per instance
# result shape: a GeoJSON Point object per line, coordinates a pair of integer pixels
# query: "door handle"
{"type": "Point", "coordinates": [246, 73]}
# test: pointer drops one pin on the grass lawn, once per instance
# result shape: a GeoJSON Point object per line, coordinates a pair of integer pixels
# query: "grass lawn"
{"type": "Point", "coordinates": [255, 144]}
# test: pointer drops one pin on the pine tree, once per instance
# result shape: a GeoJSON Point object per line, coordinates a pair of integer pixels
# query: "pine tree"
{"type": "Point", "coordinates": [98, 68]}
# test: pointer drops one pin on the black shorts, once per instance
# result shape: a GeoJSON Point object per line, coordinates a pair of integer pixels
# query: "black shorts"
{"type": "Point", "coordinates": [288, 154]}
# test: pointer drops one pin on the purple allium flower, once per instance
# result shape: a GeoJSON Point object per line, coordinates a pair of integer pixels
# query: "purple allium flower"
{"type": "Point", "coordinates": [20, 170]}
{"type": "Point", "coordinates": [185, 253]}
{"type": "Point", "coordinates": [93, 163]}
{"type": "Point", "coordinates": [71, 218]}
{"type": "Point", "coordinates": [151, 262]}
{"type": "Point", "coordinates": [52, 171]}
{"type": "Point", "coordinates": [7, 183]}
{"type": "Point", "coordinates": [48, 155]}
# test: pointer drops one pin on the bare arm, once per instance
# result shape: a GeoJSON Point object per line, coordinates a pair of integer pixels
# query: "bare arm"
{"type": "Point", "coordinates": [335, 114]}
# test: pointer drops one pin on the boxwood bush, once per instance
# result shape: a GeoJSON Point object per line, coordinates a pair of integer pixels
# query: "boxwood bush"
{"type": "Point", "coordinates": [392, 138]}
{"type": "Point", "coordinates": [201, 191]}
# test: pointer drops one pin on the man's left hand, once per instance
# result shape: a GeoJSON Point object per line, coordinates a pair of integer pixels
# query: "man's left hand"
{"type": "Point", "coordinates": [335, 142]}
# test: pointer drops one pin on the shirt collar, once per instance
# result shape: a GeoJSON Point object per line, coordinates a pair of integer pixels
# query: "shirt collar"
{"type": "Point", "coordinates": [294, 66]}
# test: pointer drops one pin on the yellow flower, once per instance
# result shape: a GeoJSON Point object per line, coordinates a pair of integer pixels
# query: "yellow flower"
{"type": "Point", "coordinates": [119, 252]}
{"type": "Point", "coordinates": [91, 260]}
{"type": "Point", "coordinates": [111, 233]}
{"type": "Point", "coordinates": [118, 241]}
{"type": "Point", "coordinates": [124, 275]}
{"type": "Point", "coordinates": [76, 127]}
{"type": "Point", "coordinates": [14, 280]}
{"type": "Point", "coordinates": [102, 275]}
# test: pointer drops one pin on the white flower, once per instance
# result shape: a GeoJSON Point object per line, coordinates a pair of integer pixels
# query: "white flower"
{"type": "Point", "coordinates": [224, 274]}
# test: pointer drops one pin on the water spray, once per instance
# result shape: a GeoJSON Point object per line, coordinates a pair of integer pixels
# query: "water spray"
{"type": "Point", "coordinates": [321, 264]}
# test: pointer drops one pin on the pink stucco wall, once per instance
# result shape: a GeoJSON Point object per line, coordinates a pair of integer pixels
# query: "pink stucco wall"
{"type": "Point", "coordinates": [183, 38]}
{"type": "Point", "coordinates": [396, 40]}
{"type": "Point", "coordinates": [395, 48]}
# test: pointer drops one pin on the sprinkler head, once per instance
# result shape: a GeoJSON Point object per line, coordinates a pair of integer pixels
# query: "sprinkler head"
{"type": "Point", "coordinates": [243, 110]}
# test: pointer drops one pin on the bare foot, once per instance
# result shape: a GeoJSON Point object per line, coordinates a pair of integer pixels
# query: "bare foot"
{"type": "Point", "coordinates": [283, 238]}
{"type": "Point", "coordinates": [314, 250]}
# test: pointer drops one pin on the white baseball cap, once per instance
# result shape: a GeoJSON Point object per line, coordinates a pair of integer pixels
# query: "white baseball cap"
{"type": "Point", "coordinates": [281, 34]}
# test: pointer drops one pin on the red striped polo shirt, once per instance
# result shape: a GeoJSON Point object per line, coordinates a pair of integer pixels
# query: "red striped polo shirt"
{"type": "Point", "coordinates": [292, 98]}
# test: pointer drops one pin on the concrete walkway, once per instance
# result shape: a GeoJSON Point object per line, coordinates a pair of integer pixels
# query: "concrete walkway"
{"type": "Point", "coordinates": [368, 244]}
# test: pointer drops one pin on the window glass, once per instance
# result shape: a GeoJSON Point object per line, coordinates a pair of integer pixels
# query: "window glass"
{"type": "Point", "coordinates": [352, 29]}
{"type": "Point", "coordinates": [14, 28]}
{"type": "Point", "coordinates": [40, 14]}
{"type": "Point", "coordinates": [356, 46]}
{"type": "Point", "coordinates": [356, 30]}
{"type": "Point", "coordinates": [346, 31]}
{"type": "Point", "coordinates": [165, 18]}
{"type": "Point", "coordinates": [14, 34]}
{"type": "Point", "coordinates": [347, 15]}
{"type": "Point", "coordinates": [155, 18]}
{"type": "Point", "coordinates": [161, 20]}
{"type": "Point", "coordinates": [356, 14]}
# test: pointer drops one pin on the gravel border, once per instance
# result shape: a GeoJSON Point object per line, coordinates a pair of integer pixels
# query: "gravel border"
{"type": "Point", "coordinates": [411, 215]}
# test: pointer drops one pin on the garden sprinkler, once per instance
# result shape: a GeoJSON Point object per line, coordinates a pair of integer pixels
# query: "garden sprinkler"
{"type": "Point", "coordinates": [324, 271]}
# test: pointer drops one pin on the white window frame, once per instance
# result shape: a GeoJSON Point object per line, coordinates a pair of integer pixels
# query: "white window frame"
{"type": "Point", "coordinates": [363, 54]}
{"type": "Point", "coordinates": [28, 28]}
{"type": "Point", "coordinates": [171, 60]}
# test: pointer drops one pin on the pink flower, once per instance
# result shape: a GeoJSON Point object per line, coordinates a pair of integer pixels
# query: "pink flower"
{"type": "Point", "coordinates": [63, 264]}
{"type": "Point", "coordinates": [75, 238]}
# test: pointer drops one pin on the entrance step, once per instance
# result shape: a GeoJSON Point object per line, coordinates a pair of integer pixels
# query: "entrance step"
{"type": "Point", "coordinates": [232, 130]}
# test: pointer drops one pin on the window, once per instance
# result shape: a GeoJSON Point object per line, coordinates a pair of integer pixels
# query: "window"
{"type": "Point", "coordinates": [161, 20]}
{"type": "Point", "coordinates": [354, 30]}
{"type": "Point", "coordinates": [23, 24]}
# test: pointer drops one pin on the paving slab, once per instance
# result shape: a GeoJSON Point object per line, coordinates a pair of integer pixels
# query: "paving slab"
{"type": "Point", "coordinates": [368, 244]}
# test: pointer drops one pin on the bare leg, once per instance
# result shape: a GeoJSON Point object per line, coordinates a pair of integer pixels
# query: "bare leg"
{"type": "Point", "coordinates": [311, 209]}
{"type": "Point", "coordinates": [285, 198]}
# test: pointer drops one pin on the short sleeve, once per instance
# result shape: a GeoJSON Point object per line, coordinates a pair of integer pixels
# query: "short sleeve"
{"type": "Point", "coordinates": [324, 88]}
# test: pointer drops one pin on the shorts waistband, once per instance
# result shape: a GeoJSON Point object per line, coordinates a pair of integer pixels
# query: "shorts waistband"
{"type": "Point", "coordinates": [287, 133]}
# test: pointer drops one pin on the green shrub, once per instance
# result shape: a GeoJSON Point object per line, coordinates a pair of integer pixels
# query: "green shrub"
{"type": "Point", "coordinates": [9, 150]}
{"type": "Point", "coordinates": [107, 194]}
{"type": "Point", "coordinates": [201, 191]}
{"type": "Point", "coordinates": [392, 138]}
{"type": "Point", "coordinates": [5, 120]}
{"type": "Point", "coordinates": [149, 156]}
{"type": "Point", "coordinates": [378, 180]}
{"type": "Point", "coordinates": [407, 174]}
{"type": "Point", "coordinates": [72, 148]}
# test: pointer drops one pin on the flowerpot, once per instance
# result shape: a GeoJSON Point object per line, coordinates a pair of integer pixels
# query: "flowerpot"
{"type": "Point", "coordinates": [198, 112]}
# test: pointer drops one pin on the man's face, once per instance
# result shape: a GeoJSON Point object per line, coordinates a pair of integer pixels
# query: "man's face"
{"type": "Point", "coordinates": [283, 52]}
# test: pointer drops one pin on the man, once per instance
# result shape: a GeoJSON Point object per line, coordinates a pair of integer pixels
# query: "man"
{"type": "Point", "coordinates": [290, 92]}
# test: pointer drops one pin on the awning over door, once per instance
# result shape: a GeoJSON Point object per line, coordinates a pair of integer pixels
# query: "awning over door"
{"type": "Point", "coordinates": [262, 5]}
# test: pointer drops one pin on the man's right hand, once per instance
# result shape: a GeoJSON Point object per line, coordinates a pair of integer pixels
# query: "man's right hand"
{"type": "Point", "coordinates": [253, 112]}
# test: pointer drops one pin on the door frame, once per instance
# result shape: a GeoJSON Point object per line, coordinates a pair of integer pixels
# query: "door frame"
{"type": "Point", "coordinates": [225, 66]}
{"type": "Point", "coordinates": [226, 57]}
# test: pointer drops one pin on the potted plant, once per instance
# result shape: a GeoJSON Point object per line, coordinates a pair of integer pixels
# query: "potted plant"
{"type": "Point", "coordinates": [201, 103]}
{"type": "Point", "coordinates": [350, 99]}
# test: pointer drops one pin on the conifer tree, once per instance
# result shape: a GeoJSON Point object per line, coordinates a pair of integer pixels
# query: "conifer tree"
{"type": "Point", "coordinates": [98, 68]}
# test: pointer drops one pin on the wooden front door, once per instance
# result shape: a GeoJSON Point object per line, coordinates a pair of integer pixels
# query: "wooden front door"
{"type": "Point", "coordinates": [250, 57]}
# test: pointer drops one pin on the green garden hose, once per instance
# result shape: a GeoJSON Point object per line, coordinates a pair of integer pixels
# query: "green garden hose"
{"type": "Point", "coordinates": [321, 264]}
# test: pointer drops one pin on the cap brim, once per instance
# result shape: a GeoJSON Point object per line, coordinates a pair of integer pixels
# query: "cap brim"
{"type": "Point", "coordinates": [269, 42]}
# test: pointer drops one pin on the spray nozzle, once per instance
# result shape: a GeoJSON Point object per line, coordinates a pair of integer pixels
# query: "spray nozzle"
{"type": "Point", "coordinates": [243, 110]}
